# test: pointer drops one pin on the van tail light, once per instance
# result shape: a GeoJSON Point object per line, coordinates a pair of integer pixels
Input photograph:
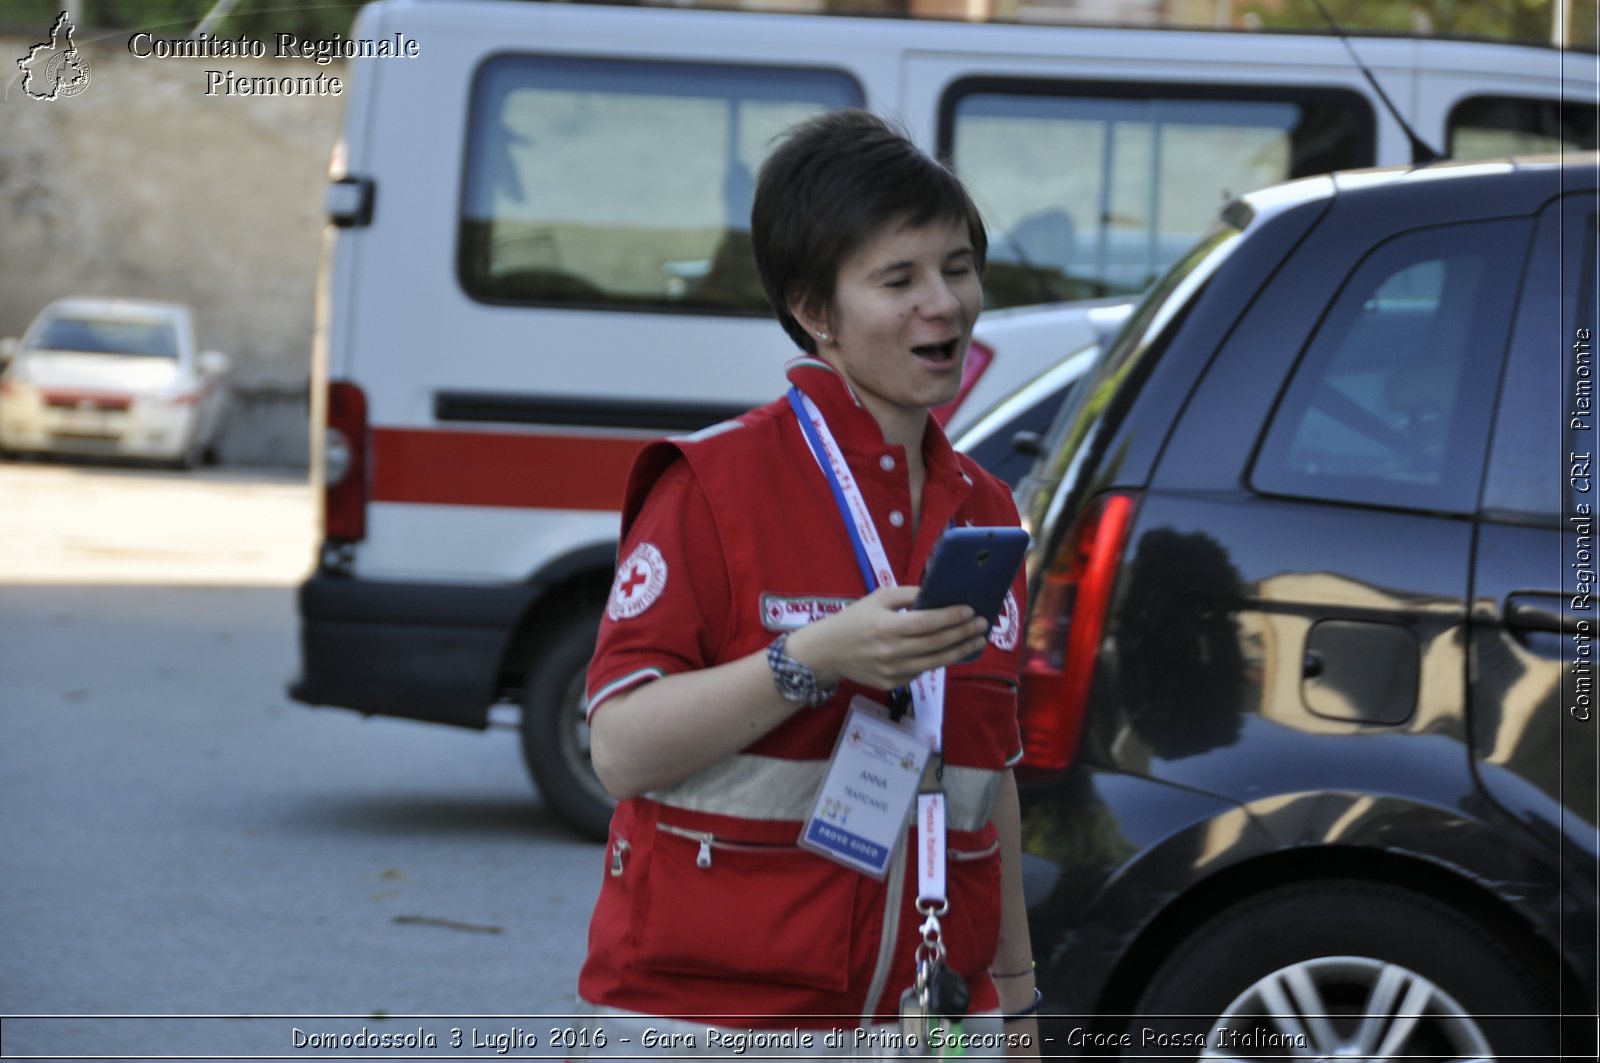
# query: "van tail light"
{"type": "Point", "coordinates": [1065, 629]}
{"type": "Point", "coordinates": [979, 358]}
{"type": "Point", "coordinates": [344, 464]}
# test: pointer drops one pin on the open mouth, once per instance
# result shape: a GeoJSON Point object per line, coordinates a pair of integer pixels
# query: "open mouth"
{"type": "Point", "coordinates": [937, 353]}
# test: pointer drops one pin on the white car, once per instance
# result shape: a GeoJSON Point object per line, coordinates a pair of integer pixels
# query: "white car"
{"type": "Point", "coordinates": [119, 377]}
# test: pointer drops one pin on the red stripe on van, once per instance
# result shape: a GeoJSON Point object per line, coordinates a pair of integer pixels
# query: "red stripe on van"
{"type": "Point", "coordinates": [521, 471]}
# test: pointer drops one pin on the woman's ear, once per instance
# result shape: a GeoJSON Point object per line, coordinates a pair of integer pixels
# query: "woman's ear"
{"type": "Point", "coordinates": [811, 319]}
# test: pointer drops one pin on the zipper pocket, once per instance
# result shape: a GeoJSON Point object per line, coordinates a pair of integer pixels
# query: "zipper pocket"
{"type": "Point", "coordinates": [973, 854]}
{"type": "Point", "coordinates": [1003, 682]}
{"type": "Point", "coordinates": [709, 842]}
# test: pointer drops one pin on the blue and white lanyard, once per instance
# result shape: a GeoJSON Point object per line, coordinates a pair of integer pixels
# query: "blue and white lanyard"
{"type": "Point", "coordinates": [927, 689]}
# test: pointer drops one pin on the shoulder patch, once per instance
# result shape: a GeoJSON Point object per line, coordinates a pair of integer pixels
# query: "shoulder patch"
{"type": "Point", "coordinates": [1007, 626]}
{"type": "Point", "coordinates": [640, 580]}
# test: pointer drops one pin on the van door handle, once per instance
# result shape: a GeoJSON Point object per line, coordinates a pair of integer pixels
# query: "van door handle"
{"type": "Point", "coordinates": [1539, 611]}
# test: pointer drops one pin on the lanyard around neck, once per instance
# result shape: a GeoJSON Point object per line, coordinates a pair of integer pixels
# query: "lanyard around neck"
{"type": "Point", "coordinates": [927, 689]}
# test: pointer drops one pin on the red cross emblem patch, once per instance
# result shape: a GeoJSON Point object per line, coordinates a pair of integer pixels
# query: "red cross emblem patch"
{"type": "Point", "coordinates": [641, 578]}
{"type": "Point", "coordinates": [1008, 626]}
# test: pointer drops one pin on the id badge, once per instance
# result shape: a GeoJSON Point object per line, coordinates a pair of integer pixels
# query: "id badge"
{"type": "Point", "coordinates": [861, 811]}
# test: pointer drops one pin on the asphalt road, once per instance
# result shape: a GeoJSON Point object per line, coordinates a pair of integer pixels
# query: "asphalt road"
{"type": "Point", "coordinates": [177, 838]}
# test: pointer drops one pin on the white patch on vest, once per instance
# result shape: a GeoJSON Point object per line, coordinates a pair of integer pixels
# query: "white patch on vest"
{"type": "Point", "coordinates": [781, 612]}
{"type": "Point", "coordinates": [1007, 626]}
{"type": "Point", "coordinates": [640, 581]}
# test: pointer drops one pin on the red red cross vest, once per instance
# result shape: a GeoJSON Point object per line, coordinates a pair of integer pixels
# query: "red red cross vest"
{"type": "Point", "coordinates": [709, 911]}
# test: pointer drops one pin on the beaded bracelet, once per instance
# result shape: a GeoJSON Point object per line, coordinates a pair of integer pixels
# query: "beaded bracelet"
{"type": "Point", "coordinates": [1038, 998]}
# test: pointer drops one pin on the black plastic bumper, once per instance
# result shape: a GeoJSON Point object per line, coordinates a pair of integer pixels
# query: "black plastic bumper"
{"type": "Point", "coordinates": [424, 651]}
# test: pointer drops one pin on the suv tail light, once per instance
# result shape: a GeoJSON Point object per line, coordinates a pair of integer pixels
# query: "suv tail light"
{"type": "Point", "coordinates": [978, 360]}
{"type": "Point", "coordinates": [1064, 632]}
{"type": "Point", "coordinates": [344, 464]}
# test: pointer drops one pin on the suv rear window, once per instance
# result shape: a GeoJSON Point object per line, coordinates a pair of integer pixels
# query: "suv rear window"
{"type": "Point", "coordinates": [1391, 401]}
{"type": "Point", "coordinates": [624, 185]}
{"type": "Point", "coordinates": [1095, 190]}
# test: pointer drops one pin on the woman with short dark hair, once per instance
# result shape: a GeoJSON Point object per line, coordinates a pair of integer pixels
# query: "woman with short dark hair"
{"type": "Point", "coordinates": [762, 881]}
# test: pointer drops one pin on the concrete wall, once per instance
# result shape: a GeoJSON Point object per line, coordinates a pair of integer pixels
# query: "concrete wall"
{"type": "Point", "coordinates": [144, 186]}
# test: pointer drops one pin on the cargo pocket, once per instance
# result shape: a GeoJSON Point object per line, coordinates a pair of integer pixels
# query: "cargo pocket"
{"type": "Point", "coordinates": [773, 913]}
{"type": "Point", "coordinates": [972, 929]}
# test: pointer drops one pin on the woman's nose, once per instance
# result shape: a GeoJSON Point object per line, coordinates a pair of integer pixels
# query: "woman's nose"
{"type": "Point", "coordinates": [941, 300]}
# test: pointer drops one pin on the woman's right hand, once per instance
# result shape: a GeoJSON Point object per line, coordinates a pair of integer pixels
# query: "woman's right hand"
{"type": "Point", "coordinates": [659, 733]}
{"type": "Point", "coordinates": [880, 641]}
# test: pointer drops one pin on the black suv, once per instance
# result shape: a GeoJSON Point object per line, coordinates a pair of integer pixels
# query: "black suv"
{"type": "Point", "coordinates": [1308, 695]}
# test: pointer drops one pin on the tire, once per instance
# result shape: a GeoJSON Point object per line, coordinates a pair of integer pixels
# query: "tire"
{"type": "Point", "coordinates": [555, 730]}
{"type": "Point", "coordinates": [1338, 968]}
{"type": "Point", "coordinates": [188, 459]}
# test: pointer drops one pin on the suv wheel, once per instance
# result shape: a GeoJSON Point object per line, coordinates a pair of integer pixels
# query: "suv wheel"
{"type": "Point", "coordinates": [555, 728]}
{"type": "Point", "coordinates": [1337, 969]}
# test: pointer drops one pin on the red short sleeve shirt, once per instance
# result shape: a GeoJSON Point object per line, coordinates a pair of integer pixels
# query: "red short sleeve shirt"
{"type": "Point", "coordinates": [667, 609]}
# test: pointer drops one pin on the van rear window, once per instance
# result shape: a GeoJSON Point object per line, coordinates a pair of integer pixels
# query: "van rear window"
{"type": "Point", "coordinates": [624, 185]}
{"type": "Point", "coordinates": [1096, 190]}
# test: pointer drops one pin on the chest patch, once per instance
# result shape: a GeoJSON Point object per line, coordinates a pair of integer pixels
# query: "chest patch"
{"type": "Point", "coordinates": [1007, 626]}
{"type": "Point", "coordinates": [781, 612]}
{"type": "Point", "coordinates": [640, 580]}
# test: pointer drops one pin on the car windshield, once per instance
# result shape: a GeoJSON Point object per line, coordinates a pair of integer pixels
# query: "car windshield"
{"type": "Point", "coordinates": [140, 337]}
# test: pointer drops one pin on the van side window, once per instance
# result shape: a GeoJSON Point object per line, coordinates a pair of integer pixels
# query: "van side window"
{"type": "Point", "coordinates": [624, 185]}
{"type": "Point", "coordinates": [1089, 192]}
{"type": "Point", "coordinates": [1487, 127]}
{"type": "Point", "coordinates": [1390, 403]}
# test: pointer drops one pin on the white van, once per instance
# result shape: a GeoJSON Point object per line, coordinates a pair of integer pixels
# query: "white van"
{"type": "Point", "coordinates": [539, 260]}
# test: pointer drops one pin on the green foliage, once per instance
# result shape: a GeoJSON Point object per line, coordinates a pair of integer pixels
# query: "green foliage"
{"type": "Point", "coordinates": [258, 19]}
{"type": "Point", "coordinates": [1528, 20]}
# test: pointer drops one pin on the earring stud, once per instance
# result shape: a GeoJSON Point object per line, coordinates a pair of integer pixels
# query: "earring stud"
{"type": "Point", "coordinates": [823, 336]}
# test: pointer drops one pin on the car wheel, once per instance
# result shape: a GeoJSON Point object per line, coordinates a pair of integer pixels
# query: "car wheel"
{"type": "Point", "coordinates": [190, 456]}
{"type": "Point", "coordinates": [555, 728]}
{"type": "Point", "coordinates": [1340, 969]}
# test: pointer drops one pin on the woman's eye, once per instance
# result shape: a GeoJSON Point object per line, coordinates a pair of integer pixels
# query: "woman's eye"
{"type": "Point", "coordinates": [899, 282]}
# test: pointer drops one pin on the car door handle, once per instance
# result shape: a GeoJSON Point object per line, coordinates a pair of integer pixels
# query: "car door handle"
{"type": "Point", "coordinates": [1540, 611]}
